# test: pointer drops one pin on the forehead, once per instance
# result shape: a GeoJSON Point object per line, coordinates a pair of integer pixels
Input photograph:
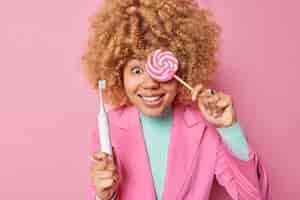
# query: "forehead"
{"type": "Point", "coordinates": [136, 62]}
{"type": "Point", "coordinates": [142, 53]}
{"type": "Point", "coordinates": [141, 56]}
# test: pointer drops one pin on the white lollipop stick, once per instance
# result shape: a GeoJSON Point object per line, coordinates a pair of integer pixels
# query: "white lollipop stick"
{"type": "Point", "coordinates": [103, 124]}
{"type": "Point", "coordinates": [183, 82]}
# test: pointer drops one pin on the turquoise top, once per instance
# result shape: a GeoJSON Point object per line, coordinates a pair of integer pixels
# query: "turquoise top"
{"type": "Point", "coordinates": [156, 135]}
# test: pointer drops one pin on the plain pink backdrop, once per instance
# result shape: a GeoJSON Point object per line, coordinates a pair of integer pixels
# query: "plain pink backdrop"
{"type": "Point", "coordinates": [47, 109]}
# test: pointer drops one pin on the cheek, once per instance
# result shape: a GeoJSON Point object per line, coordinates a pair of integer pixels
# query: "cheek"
{"type": "Point", "coordinates": [126, 80]}
{"type": "Point", "coordinates": [127, 85]}
{"type": "Point", "coordinates": [130, 83]}
{"type": "Point", "coordinates": [172, 89]}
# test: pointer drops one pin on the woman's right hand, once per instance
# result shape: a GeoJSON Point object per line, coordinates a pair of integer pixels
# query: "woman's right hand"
{"type": "Point", "coordinates": [104, 174]}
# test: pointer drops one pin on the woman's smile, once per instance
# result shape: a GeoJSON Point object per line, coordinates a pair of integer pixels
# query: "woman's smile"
{"type": "Point", "coordinates": [152, 101]}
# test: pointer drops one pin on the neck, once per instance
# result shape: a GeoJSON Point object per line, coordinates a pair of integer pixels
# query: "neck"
{"type": "Point", "coordinates": [164, 115]}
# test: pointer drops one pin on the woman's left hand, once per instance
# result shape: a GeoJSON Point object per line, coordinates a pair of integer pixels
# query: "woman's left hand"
{"type": "Point", "coordinates": [216, 107]}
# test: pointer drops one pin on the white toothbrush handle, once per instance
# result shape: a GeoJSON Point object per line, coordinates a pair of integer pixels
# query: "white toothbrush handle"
{"type": "Point", "coordinates": [104, 132]}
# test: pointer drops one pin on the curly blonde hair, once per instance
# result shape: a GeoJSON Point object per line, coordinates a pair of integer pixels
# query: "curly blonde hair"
{"type": "Point", "coordinates": [123, 30]}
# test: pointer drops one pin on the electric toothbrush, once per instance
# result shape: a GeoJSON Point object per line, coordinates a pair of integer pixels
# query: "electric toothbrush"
{"type": "Point", "coordinates": [103, 123]}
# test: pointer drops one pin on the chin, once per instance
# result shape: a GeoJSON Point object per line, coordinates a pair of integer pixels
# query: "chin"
{"type": "Point", "coordinates": [152, 112]}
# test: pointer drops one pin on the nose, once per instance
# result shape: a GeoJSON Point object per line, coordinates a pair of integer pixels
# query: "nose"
{"type": "Point", "coordinates": [150, 83]}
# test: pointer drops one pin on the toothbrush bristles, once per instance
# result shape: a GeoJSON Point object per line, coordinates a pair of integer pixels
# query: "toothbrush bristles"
{"type": "Point", "coordinates": [102, 84]}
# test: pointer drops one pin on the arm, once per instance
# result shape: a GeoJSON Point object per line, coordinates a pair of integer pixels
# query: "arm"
{"type": "Point", "coordinates": [238, 168]}
{"type": "Point", "coordinates": [235, 139]}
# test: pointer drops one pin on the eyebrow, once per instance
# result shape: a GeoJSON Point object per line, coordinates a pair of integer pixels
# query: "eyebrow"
{"type": "Point", "coordinates": [134, 63]}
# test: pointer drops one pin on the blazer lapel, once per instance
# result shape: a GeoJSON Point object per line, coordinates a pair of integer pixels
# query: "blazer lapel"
{"type": "Point", "coordinates": [186, 133]}
{"type": "Point", "coordinates": [139, 167]}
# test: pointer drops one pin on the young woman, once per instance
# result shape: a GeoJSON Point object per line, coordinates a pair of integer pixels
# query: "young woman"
{"type": "Point", "coordinates": [169, 143]}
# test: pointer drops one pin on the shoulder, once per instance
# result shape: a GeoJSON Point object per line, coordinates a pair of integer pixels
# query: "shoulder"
{"type": "Point", "coordinates": [117, 110]}
{"type": "Point", "coordinates": [116, 117]}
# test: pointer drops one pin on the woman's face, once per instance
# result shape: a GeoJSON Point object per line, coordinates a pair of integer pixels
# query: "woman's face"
{"type": "Point", "coordinates": [150, 96]}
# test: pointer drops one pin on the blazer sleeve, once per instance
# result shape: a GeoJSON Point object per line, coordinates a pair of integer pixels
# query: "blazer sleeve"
{"type": "Point", "coordinates": [95, 146]}
{"type": "Point", "coordinates": [243, 179]}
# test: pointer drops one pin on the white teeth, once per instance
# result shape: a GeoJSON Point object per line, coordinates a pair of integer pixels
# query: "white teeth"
{"type": "Point", "coordinates": [151, 98]}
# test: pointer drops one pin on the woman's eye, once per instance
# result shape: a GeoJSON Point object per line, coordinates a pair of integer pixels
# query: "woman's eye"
{"type": "Point", "coordinates": [137, 70]}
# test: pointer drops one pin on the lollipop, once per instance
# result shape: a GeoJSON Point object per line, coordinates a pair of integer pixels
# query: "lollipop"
{"type": "Point", "coordinates": [162, 66]}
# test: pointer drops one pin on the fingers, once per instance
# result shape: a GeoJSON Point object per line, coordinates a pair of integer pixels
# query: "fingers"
{"type": "Point", "coordinates": [229, 117]}
{"type": "Point", "coordinates": [215, 106]}
{"type": "Point", "coordinates": [217, 101]}
{"type": "Point", "coordinates": [100, 155]}
{"type": "Point", "coordinates": [225, 100]}
{"type": "Point", "coordinates": [104, 174]}
{"type": "Point", "coordinates": [103, 171]}
{"type": "Point", "coordinates": [206, 97]}
{"type": "Point", "coordinates": [105, 179]}
{"type": "Point", "coordinates": [105, 193]}
{"type": "Point", "coordinates": [99, 164]}
{"type": "Point", "coordinates": [111, 166]}
{"type": "Point", "coordinates": [103, 183]}
{"type": "Point", "coordinates": [213, 99]}
{"type": "Point", "coordinates": [210, 97]}
{"type": "Point", "coordinates": [102, 160]}
{"type": "Point", "coordinates": [202, 92]}
{"type": "Point", "coordinates": [198, 89]}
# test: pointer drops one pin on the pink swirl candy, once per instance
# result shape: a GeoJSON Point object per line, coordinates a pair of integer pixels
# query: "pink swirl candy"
{"type": "Point", "coordinates": [162, 65]}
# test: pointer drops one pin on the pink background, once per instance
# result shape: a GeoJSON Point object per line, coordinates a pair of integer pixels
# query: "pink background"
{"type": "Point", "coordinates": [47, 110]}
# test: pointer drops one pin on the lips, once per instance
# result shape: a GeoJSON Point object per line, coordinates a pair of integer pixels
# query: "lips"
{"type": "Point", "coordinates": [155, 98]}
{"type": "Point", "coordinates": [153, 101]}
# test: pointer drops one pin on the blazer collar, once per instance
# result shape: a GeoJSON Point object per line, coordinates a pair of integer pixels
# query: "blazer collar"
{"type": "Point", "coordinates": [127, 118]}
{"type": "Point", "coordinates": [124, 116]}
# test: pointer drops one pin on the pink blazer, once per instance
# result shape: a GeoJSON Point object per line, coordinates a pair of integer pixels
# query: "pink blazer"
{"type": "Point", "coordinates": [196, 156]}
